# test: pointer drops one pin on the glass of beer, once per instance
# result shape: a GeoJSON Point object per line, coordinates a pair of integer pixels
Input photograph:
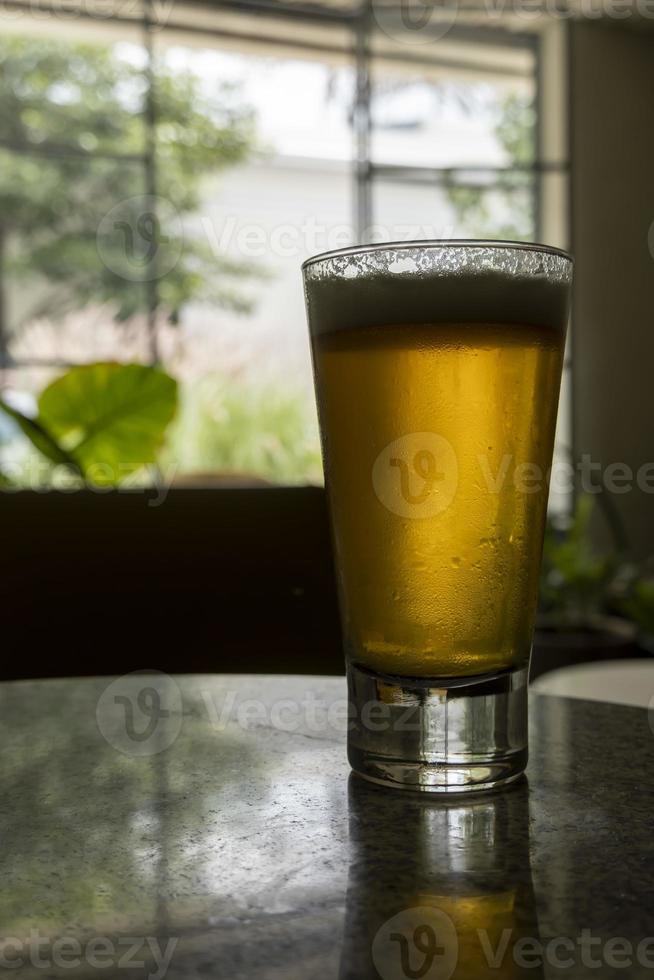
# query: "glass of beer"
{"type": "Point", "coordinates": [437, 369]}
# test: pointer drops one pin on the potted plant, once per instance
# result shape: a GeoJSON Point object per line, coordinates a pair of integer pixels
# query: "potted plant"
{"type": "Point", "coordinates": [637, 602]}
{"type": "Point", "coordinates": [575, 623]}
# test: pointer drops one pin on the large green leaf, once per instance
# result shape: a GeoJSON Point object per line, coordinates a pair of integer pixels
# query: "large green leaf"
{"type": "Point", "coordinates": [110, 418]}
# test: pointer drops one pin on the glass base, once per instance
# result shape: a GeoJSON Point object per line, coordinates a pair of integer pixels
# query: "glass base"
{"type": "Point", "coordinates": [438, 735]}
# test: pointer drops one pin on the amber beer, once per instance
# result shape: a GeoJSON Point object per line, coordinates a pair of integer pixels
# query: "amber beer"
{"type": "Point", "coordinates": [437, 393]}
{"type": "Point", "coordinates": [447, 589]}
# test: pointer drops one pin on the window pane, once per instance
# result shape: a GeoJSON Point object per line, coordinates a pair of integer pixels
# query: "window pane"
{"type": "Point", "coordinates": [485, 209]}
{"type": "Point", "coordinates": [561, 485]}
{"type": "Point", "coordinates": [240, 346]}
{"type": "Point", "coordinates": [196, 259]}
{"type": "Point", "coordinates": [434, 115]}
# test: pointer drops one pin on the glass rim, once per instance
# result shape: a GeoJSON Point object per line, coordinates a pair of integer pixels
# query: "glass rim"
{"type": "Point", "coordinates": [436, 243]}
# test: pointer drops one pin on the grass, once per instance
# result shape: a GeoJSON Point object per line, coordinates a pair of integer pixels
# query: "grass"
{"type": "Point", "coordinates": [264, 430]}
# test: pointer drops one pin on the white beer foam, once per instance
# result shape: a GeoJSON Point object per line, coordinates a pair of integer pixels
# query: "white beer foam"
{"type": "Point", "coordinates": [448, 282]}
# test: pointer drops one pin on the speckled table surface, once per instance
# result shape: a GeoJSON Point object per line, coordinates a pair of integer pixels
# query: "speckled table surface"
{"type": "Point", "coordinates": [209, 827]}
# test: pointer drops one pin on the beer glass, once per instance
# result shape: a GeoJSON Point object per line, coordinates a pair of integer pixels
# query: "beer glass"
{"type": "Point", "coordinates": [437, 368]}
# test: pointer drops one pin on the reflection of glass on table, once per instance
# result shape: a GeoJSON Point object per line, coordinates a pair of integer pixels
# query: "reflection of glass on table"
{"type": "Point", "coordinates": [453, 896]}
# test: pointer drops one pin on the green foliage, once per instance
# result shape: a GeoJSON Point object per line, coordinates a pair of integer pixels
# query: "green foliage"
{"type": "Point", "coordinates": [236, 427]}
{"type": "Point", "coordinates": [515, 132]}
{"type": "Point", "coordinates": [103, 421]}
{"type": "Point", "coordinates": [574, 580]}
{"type": "Point", "coordinates": [60, 104]}
{"type": "Point", "coordinates": [639, 605]}
{"type": "Point", "coordinates": [515, 129]}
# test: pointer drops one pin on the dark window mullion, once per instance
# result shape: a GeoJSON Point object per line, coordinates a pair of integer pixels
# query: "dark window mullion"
{"type": "Point", "coordinates": [362, 127]}
{"type": "Point", "coordinates": [393, 171]}
{"type": "Point", "coordinates": [150, 174]}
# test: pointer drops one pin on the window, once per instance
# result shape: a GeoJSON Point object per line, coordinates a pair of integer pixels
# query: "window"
{"type": "Point", "coordinates": [243, 143]}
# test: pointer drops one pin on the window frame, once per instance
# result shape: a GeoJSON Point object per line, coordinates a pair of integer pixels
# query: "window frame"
{"type": "Point", "coordinates": [359, 27]}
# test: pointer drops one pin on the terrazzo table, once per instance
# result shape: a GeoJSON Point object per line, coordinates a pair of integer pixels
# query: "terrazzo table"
{"type": "Point", "coordinates": [208, 827]}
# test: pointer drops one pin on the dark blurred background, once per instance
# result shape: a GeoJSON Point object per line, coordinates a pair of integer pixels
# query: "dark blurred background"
{"type": "Point", "coordinates": [164, 170]}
